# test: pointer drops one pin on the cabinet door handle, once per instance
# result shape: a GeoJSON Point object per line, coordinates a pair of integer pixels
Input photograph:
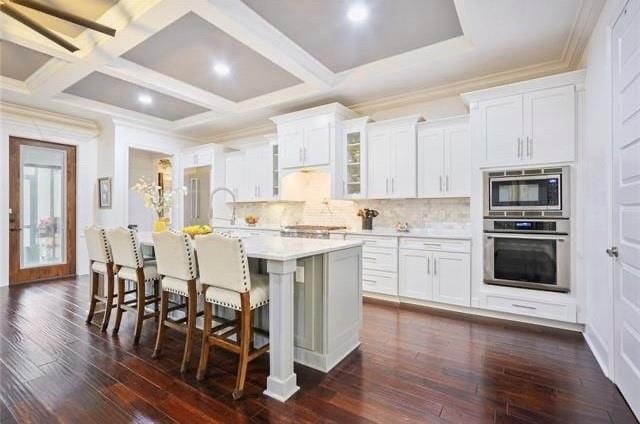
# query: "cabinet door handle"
{"type": "Point", "coordinates": [386, 185]}
{"type": "Point", "coordinates": [447, 183]}
{"type": "Point", "coordinates": [428, 265]}
{"type": "Point", "coordinates": [515, 305]}
{"type": "Point", "coordinates": [530, 147]}
{"type": "Point", "coordinates": [435, 266]}
{"type": "Point", "coordinates": [440, 183]}
{"type": "Point", "coordinates": [300, 153]}
{"type": "Point", "coordinates": [519, 148]}
{"type": "Point", "coordinates": [393, 185]}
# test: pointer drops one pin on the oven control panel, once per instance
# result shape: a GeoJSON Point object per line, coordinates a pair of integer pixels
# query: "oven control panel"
{"type": "Point", "coordinates": [526, 226]}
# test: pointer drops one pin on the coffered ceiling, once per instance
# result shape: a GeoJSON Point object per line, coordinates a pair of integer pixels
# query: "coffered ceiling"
{"type": "Point", "coordinates": [204, 68]}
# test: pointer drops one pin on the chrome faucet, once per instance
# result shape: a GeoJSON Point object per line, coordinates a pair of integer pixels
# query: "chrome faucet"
{"type": "Point", "coordinates": [232, 221]}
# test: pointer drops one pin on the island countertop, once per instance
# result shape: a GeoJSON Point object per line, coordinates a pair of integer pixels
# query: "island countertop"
{"type": "Point", "coordinates": [280, 248]}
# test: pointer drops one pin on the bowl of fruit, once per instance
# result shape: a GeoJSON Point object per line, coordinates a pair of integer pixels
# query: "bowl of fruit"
{"type": "Point", "coordinates": [251, 220]}
{"type": "Point", "coordinates": [196, 230]}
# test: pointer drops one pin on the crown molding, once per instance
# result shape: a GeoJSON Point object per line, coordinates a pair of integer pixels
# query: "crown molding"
{"type": "Point", "coordinates": [255, 131]}
{"type": "Point", "coordinates": [123, 122]}
{"type": "Point", "coordinates": [79, 127]}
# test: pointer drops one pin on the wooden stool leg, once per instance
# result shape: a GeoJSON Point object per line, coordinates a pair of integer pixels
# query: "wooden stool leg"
{"type": "Point", "coordinates": [119, 310]}
{"type": "Point", "coordinates": [140, 301]}
{"type": "Point", "coordinates": [109, 305]}
{"type": "Point", "coordinates": [192, 311]}
{"type": "Point", "coordinates": [94, 291]}
{"type": "Point", "coordinates": [156, 296]}
{"type": "Point", "coordinates": [164, 306]}
{"type": "Point", "coordinates": [206, 347]}
{"type": "Point", "coordinates": [245, 333]}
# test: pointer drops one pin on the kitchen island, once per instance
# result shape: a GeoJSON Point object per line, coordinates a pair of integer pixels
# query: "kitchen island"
{"type": "Point", "coordinates": [327, 307]}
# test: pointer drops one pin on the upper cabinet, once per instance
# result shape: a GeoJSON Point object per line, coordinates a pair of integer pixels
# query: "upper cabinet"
{"type": "Point", "coordinates": [531, 122]}
{"type": "Point", "coordinates": [313, 138]}
{"type": "Point", "coordinates": [391, 158]}
{"type": "Point", "coordinates": [444, 158]}
{"type": "Point", "coordinates": [251, 175]}
{"type": "Point", "coordinates": [355, 157]}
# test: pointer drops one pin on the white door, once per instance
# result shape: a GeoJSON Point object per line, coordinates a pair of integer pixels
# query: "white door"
{"type": "Point", "coordinates": [236, 175]}
{"type": "Point", "coordinates": [316, 148]}
{"type": "Point", "coordinates": [431, 163]}
{"type": "Point", "coordinates": [457, 162]}
{"type": "Point", "coordinates": [290, 149]}
{"type": "Point", "coordinates": [402, 156]}
{"type": "Point", "coordinates": [452, 278]}
{"type": "Point", "coordinates": [550, 125]}
{"type": "Point", "coordinates": [377, 165]}
{"type": "Point", "coordinates": [415, 269]}
{"type": "Point", "coordinates": [502, 130]}
{"type": "Point", "coordinates": [626, 202]}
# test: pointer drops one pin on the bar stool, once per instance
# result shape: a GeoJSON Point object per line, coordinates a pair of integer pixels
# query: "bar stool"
{"type": "Point", "coordinates": [178, 272]}
{"type": "Point", "coordinates": [131, 266]}
{"type": "Point", "coordinates": [100, 263]}
{"type": "Point", "coordinates": [227, 281]}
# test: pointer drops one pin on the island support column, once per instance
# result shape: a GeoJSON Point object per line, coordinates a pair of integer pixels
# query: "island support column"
{"type": "Point", "coordinates": [281, 383]}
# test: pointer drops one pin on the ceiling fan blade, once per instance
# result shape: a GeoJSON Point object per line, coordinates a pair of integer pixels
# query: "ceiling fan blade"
{"type": "Point", "coordinates": [19, 16]}
{"type": "Point", "coordinates": [66, 16]}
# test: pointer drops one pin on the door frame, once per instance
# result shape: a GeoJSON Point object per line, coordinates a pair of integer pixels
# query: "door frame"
{"type": "Point", "coordinates": [67, 269]}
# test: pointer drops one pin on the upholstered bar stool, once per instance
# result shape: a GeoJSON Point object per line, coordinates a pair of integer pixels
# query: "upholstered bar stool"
{"type": "Point", "coordinates": [131, 266]}
{"type": "Point", "coordinates": [178, 271]}
{"type": "Point", "coordinates": [227, 281]}
{"type": "Point", "coordinates": [100, 263]}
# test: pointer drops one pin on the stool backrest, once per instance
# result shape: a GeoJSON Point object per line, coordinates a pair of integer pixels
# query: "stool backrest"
{"type": "Point", "coordinates": [174, 255]}
{"type": "Point", "coordinates": [223, 262]}
{"type": "Point", "coordinates": [125, 247]}
{"type": "Point", "coordinates": [97, 244]}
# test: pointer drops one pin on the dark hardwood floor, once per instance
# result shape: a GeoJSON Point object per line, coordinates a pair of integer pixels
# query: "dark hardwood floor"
{"type": "Point", "coordinates": [413, 366]}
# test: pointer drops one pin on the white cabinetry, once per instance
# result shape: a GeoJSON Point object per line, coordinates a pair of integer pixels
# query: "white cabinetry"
{"type": "Point", "coordinates": [313, 138]}
{"type": "Point", "coordinates": [435, 270]}
{"type": "Point", "coordinates": [250, 173]}
{"type": "Point", "coordinates": [354, 171]}
{"type": "Point", "coordinates": [391, 159]}
{"type": "Point", "coordinates": [379, 264]}
{"type": "Point", "coordinates": [444, 158]}
{"type": "Point", "coordinates": [236, 175]}
{"type": "Point", "coordinates": [535, 126]}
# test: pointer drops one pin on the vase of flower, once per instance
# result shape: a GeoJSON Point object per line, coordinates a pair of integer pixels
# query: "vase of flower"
{"type": "Point", "coordinates": [158, 199]}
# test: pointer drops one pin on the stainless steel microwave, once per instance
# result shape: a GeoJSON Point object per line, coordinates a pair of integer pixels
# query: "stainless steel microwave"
{"type": "Point", "coordinates": [539, 192]}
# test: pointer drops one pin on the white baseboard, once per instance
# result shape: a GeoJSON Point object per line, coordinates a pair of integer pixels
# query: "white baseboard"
{"type": "Point", "coordinates": [478, 312]}
{"type": "Point", "coordinates": [599, 350]}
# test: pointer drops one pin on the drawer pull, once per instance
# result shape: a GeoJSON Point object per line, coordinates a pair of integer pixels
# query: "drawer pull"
{"type": "Point", "coordinates": [523, 306]}
{"type": "Point", "coordinates": [369, 281]}
{"type": "Point", "coordinates": [368, 258]}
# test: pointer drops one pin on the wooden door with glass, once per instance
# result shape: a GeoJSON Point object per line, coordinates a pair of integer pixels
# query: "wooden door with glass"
{"type": "Point", "coordinates": [42, 210]}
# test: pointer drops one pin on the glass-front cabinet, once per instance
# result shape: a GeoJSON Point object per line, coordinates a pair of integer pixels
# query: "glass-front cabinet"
{"type": "Point", "coordinates": [354, 141]}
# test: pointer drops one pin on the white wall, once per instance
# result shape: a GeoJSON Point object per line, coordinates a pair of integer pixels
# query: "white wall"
{"type": "Point", "coordinates": [115, 148]}
{"type": "Point", "coordinates": [50, 127]}
{"type": "Point", "coordinates": [596, 189]}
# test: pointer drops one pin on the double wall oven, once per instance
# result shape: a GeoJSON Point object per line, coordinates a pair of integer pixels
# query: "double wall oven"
{"type": "Point", "coordinates": [527, 228]}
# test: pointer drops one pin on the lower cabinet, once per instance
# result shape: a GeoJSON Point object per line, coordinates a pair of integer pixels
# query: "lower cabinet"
{"type": "Point", "coordinates": [435, 276]}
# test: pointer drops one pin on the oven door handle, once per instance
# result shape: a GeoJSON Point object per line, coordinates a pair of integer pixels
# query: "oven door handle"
{"type": "Point", "coordinates": [561, 238]}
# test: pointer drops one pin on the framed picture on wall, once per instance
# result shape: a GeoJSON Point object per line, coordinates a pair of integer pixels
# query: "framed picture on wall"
{"type": "Point", "coordinates": [104, 193]}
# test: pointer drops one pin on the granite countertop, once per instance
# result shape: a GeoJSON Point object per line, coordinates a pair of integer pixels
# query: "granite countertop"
{"type": "Point", "coordinates": [280, 248]}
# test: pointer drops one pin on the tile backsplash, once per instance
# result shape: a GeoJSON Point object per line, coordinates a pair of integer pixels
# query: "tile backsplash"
{"type": "Point", "coordinates": [419, 213]}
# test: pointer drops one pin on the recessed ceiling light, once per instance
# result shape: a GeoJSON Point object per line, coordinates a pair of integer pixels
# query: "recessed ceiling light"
{"type": "Point", "coordinates": [222, 69]}
{"type": "Point", "coordinates": [358, 13]}
{"type": "Point", "coordinates": [145, 99]}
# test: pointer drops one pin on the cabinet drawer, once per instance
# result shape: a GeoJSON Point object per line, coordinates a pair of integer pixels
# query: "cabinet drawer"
{"type": "Point", "coordinates": [444, 245]}
{"type": "Point", "coordinates": [375, 241]}
{"type": "Point", "coordinates": [380, 282]}
{"type": "Point", "coordinates": [379, 258]}
{"type": "Point", "coordinates": [538, 309]}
